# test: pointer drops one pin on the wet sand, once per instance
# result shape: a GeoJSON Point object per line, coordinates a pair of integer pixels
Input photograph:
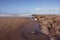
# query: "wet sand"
{"type": "Point", "coordinates": [19, 29]}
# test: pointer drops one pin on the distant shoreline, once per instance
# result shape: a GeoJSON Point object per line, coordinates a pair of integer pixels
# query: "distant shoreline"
{"type": "Point", "coordinates": [23, 15]}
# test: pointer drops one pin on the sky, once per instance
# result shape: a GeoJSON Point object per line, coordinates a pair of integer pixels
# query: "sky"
{"type": "Point", "coordinates": [29, 6]}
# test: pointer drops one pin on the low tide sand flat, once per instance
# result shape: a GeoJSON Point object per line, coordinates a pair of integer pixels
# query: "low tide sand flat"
{"type": "Point", "coordinates": [49, 24]}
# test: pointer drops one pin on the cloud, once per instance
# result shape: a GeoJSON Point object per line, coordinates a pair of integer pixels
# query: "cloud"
{"type": "Point", "coordinates": [45, 10]}
{"type": "Point", "coordinates": [42, 10]}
